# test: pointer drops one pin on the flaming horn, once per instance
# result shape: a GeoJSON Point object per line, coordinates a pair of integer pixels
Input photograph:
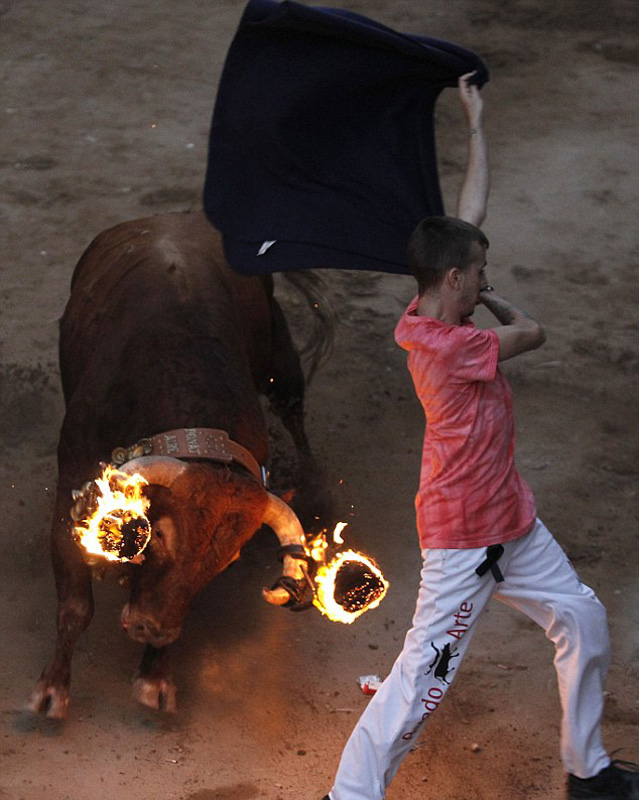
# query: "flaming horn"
{"type": "Point", "coordinates": [110, 522]}
{"type": "Point", "coordinates": [109, 516]}
{"type": "Point", "coordinates": [109, 513]}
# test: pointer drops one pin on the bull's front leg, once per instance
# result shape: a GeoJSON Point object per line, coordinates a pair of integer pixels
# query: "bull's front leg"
{"type": "Point", "coordinates": [153, 685]}
{"type": "Point", "coordinates": [75, 611]}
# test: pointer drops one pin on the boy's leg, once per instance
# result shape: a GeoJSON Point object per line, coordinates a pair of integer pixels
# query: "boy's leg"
{"type": "Point", "coordinates": [541, 582]}
{"type": "Point", "coordinates": [450, 600]}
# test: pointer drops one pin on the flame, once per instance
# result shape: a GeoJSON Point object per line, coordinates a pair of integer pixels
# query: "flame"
{"type": "Point", "coordinates": [318, 546]}
{"type": "Point", "coordinates": [337, 532]}
{"type": "Point", "coordinates": [366, 592]}
{"type": "Point", "coordinates": [117, 527]}
{"type": "Point", "coordinates": [317, 549]}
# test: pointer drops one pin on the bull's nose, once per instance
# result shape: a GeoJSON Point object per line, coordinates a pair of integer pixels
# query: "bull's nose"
{"type": "Point", "coordinates": [144, 629]}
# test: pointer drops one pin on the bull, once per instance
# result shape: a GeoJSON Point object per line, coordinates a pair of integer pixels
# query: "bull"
{"type": "Point", "coordinates": [164, 351]}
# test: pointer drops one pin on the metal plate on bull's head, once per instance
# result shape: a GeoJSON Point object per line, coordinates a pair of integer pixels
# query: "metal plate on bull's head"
{"type": "Point", "coordinates": [119, 456]}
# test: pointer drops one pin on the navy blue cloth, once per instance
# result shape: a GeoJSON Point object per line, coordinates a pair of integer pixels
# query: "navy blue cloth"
{"type": "Point", "coordinates": [322, 139]}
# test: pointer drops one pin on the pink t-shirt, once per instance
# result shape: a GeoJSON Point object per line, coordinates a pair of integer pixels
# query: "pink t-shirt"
{"type": "Point", "coordinates": [470, 493]}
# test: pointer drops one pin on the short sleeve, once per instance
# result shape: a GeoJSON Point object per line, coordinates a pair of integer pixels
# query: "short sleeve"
{"type": "Point", "coordinates": [471, 354]}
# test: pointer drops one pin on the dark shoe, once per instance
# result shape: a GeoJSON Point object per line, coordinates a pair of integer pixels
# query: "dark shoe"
{"type": "Point", "coordinates": [619, 781]}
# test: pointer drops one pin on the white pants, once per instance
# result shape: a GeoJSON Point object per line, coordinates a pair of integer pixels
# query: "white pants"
{"type": "Point", "coordinates": [538, 580]}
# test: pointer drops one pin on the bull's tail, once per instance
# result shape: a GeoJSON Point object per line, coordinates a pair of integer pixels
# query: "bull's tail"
{"type": "Point", "coordinates": [317, 349]}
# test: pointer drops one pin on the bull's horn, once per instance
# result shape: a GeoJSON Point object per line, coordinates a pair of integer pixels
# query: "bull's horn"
{"type": "Point", "coordinates": [160, 470]}
{"type": "Point", "coordinates": [283, 520]}
{"type": "Point", "coordinates": [288, 529]}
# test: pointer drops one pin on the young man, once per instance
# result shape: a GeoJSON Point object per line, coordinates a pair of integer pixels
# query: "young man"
{"type": "Point", "coordinates": [476, 518]}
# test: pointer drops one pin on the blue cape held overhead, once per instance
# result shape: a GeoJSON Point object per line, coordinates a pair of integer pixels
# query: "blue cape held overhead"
{"type": "Point", "coordinates": [322, 144]}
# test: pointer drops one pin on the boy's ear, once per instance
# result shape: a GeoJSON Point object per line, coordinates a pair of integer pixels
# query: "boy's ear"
{"type": "Point", "coordinates": [453, 278]}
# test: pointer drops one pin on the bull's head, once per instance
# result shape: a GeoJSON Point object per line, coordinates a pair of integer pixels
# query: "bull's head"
{"type": "Point", "coordinates": [201, 517]}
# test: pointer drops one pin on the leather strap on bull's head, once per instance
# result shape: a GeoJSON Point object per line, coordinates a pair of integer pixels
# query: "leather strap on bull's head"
{"type": "Point", "coordinates": [202, 443]}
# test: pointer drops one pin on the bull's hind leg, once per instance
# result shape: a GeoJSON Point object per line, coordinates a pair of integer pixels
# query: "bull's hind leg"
{"type": "Point", "coordinates": [153, 686]}
{"type": "Point", "coordinates": [75, 611]}
{"type": "Point", "coordinates": [285, 391]}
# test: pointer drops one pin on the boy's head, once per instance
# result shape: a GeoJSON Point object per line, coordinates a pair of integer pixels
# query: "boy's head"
{"type": "Point", "coordinates": [439, 243]}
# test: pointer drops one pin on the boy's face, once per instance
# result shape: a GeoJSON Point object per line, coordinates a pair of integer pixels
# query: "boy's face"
{"type": "Point", "coordinates": [473, 280]}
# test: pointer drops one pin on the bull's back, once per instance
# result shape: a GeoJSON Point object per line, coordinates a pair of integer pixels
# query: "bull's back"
{"type": "Point", "coordinates": [160, 333]}
{"type": "Point", "coordinates": [133, 275]}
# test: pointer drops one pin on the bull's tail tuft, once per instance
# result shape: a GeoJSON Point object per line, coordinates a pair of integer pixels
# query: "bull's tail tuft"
{"type": "Point", "coordinates": [318, 348]}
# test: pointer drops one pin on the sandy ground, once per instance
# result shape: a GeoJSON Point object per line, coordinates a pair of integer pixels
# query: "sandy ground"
{"type": "Point", "coordinates": [105, 112]}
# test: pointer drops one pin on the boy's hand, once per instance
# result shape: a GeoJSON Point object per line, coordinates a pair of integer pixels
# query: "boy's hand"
{"type": "Point", "coordinates": [471, 101]}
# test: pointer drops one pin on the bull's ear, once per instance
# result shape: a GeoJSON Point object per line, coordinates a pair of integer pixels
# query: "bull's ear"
{"type": "Point", "coordinates": [287, 495]}
{"type": "Point", "coordinates": [162, 501]}
{"type": "Point", "coordinates": [160, 470]}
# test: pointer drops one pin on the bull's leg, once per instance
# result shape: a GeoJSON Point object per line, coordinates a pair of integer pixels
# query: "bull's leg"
{"type": "Point", "coordinates": [285, 391]}
{"type": "Point", "coordinates": [75, 610]}
{"type": "Point", "coordinates": [153, 685]}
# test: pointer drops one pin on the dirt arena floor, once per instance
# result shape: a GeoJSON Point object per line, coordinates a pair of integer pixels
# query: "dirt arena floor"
{"type": "Point", "coordinates": [105, 113]}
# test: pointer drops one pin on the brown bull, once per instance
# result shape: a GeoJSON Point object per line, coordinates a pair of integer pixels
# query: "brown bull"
{"type": "Point", "coordinates": [161, 340]}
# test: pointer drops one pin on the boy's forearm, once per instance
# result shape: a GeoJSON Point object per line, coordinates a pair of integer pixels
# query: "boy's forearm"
{"type": "Point", "coordinates": [507, 313]}
{"type": "Point", "coordinates": [518, 331]}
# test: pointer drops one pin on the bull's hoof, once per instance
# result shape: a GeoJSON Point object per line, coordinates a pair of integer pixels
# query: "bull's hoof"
{"type": "Point", "coordinates": [290, 593]}
{"type": "Point", "coordinates": [157, 693]}
{"type": "Point", "coordinates": [50, 701]}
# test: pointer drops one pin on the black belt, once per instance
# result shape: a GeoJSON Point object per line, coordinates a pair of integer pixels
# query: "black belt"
{"type": "Point", "coordinates": [493, 554]}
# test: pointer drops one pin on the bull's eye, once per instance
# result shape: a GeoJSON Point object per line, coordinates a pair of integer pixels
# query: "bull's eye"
{"type": "Point", "coordinates": [164, 536]}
